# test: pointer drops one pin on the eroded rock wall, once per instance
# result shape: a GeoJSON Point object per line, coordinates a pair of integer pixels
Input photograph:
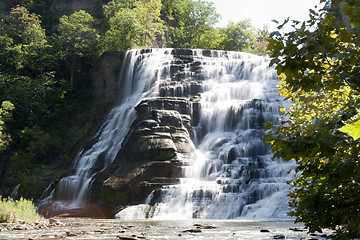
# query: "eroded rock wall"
{"type": "Point", "coordinates": [151, 154]}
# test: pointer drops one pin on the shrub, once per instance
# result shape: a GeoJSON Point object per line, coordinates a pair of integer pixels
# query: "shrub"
{"type": "Point", "coordinates": [11, 211]}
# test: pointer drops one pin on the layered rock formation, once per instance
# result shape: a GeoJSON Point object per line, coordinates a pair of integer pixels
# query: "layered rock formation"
{"type": "Point", "coordinates": [159, 138]}
{"type": "Point", "coordinates": [151, 153]}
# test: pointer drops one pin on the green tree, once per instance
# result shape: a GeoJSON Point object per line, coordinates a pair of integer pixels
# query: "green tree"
{"type": "Point", "coordinates": [148, 12]}
{"type": "Point", "coordinates": [5, 115]}
{"type": "Point", "coordinates": [318, 64]}
{"type": "Point", "coordinates": [23, 41]}
{"type": "Point", "coordinates": [77, 39]}
{"type": "Point", "coordinates": [124, 29]}
{"type": "Point", "coordinates": [132, 23]}
{"type": "Point", "coordinates": [192, 19]}
{"type": "Point", "coordinates": [261, 43]}
{"type": "Point", "coordinates": [112, 7]}
{"type": "Point", "coordinates": [239, 36]}
{"type": "Point", "coordinates": [212, 39]}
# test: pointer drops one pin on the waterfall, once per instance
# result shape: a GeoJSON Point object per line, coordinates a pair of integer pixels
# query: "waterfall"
{"type": "Point", "coordinates": [140, 80]}
{"type": "Point", "coordinates": [231, 174]}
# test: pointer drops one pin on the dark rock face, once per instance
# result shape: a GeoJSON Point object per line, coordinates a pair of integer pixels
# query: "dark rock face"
{"type": "Point", "coordinates": [159, 136]}
{"type": "Point", "coordinates": [105, 76]}
{"type": "Point", "coordinates": [151, 153]}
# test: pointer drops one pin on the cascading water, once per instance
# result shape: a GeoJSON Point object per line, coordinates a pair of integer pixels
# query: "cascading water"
{"type": "Point", "coordinates": [232, 173]}
{"type": "Point", "coordinates": [141, 80]}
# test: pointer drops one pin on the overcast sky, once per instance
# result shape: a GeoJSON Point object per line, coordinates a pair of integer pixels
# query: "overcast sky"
{"type": "Point", "coordinates": [262, 11]}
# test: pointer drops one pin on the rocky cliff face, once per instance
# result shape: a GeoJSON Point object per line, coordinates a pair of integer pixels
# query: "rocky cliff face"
{"type": "Point", "coordinates": [105, 76]}
{"type": "Point", "coordinates": [158, 139]}
{"type": "Point", "coordinates": [151, 153]}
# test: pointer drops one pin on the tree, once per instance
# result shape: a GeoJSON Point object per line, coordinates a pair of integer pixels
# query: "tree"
{"type": "Point", "coordinates": [261, 43]}
{"type": "Point", "coordinates": [148, 12]}
{"type": "Point", "coordinates": [239, 36]}
{"type": "Point", "coordinates": [193, 19]}
{"type": "Point", "coordinates": [77, 39]}
{"type": "Point", "coordinates": [124, 28]}
{"type": "Point", "coordinates": [132, 22]}
{"type": "Point", "coordinates": [112, 7]}
{"type": "Point", "coordinates": [318, 65]}
{"type": "Point", "coordinates": [23, 41]}
{"type": "Point", "coordinates": [212, 39]}
{"type": "Point", "coordinates": [5, 115]}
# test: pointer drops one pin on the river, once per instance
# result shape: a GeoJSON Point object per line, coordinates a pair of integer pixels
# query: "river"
{"type": "Point", "coordinates": [80, 228]}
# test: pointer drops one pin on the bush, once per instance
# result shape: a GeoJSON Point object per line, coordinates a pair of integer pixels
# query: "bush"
{"type": "Point", "coordinates": [11, 211]}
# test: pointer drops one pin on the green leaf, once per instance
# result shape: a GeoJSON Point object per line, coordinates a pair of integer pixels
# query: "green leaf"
{"type": "Point", "coordinates": [267, 126]}
{"type": "Point", "coordinates": [353, 129]}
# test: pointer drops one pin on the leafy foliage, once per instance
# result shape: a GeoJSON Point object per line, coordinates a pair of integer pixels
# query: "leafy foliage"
{"type": "Point", "coordinates": [35, 88]}
{"type": "Point", "coordinates": [135, 22]}
{"type": "Point", "coordinates": [12, 211]}
{"type": "Point", "coordinates": [318, 64]}
{"type": "Point", "coordinates": [239, 36]}
{"type": "Point", "coordinates": [5, 115]}
{"type": "Point", "coordinates": [77, 39]}
{"type": "Point", "coordinates": [352, 129]}
{"type": "Point", "coordinates": [124, 29]}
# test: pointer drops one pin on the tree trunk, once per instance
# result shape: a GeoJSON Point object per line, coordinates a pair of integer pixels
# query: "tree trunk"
{"type": "Point", "coordinates": [72, 69]}
{"type": "Point", "coordinates": [198, 43]}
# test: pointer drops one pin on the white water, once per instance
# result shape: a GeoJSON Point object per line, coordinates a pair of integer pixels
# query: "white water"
{"type": "Point", "coordinates": [141, 80]}
{"type": "Point", "coordinates": [232, 173]}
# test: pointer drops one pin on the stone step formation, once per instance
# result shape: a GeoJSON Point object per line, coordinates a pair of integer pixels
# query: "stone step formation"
{"type": "Point", "coordinates": [186, 140]}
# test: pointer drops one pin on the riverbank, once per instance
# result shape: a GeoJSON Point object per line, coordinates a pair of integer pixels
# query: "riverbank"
{"type": "Point", "coordinates": [83, 228]}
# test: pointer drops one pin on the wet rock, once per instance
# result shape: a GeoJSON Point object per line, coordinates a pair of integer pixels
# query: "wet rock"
{"type": "Point", "coordinates": [21, 221]}
{"type": "Point", "coordinates": [297, 229]}
{"type": "Point", "coordinates": [182, 52]}
{"type": "Point", "coordinates": [264, 230]}
{"type": "Point", "coordinates": [179, 104]}
{"type": "Point", "coordinates": [280, 236]}
{"type": "Point", "coordinates": [159, 134]}
{"type": "Point", "coordinates": [309, 238]}
{"type": "Point", "coordinates": [70, 234]}
{"type": "Point", "coordinates": [126, 238]}
{"type": "Point", "coordinates": [20, 227]}
{"type": "Point", "coordinates": [55, 222]}
{"type": "Point", "coordinates": [200, 226]}
{"type": "Point", "coordinates": [194, 230]}
{"type": "Point", "coordinates": [180, 88]}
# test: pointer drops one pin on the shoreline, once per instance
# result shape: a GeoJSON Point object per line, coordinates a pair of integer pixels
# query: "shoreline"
{"type": "Point", "coordinates": [87, 228]}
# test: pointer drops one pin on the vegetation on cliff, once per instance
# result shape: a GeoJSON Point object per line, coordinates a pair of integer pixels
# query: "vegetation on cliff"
{"type": "Point", "coordinates": [318, 64]}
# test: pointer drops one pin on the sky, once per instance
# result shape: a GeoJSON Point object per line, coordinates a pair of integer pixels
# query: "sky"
{"type": "Point", "coordinates": [261, 12]}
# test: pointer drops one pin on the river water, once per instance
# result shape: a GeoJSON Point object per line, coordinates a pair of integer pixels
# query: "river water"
{"type": "Point", "coordinates": [75, 228]}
